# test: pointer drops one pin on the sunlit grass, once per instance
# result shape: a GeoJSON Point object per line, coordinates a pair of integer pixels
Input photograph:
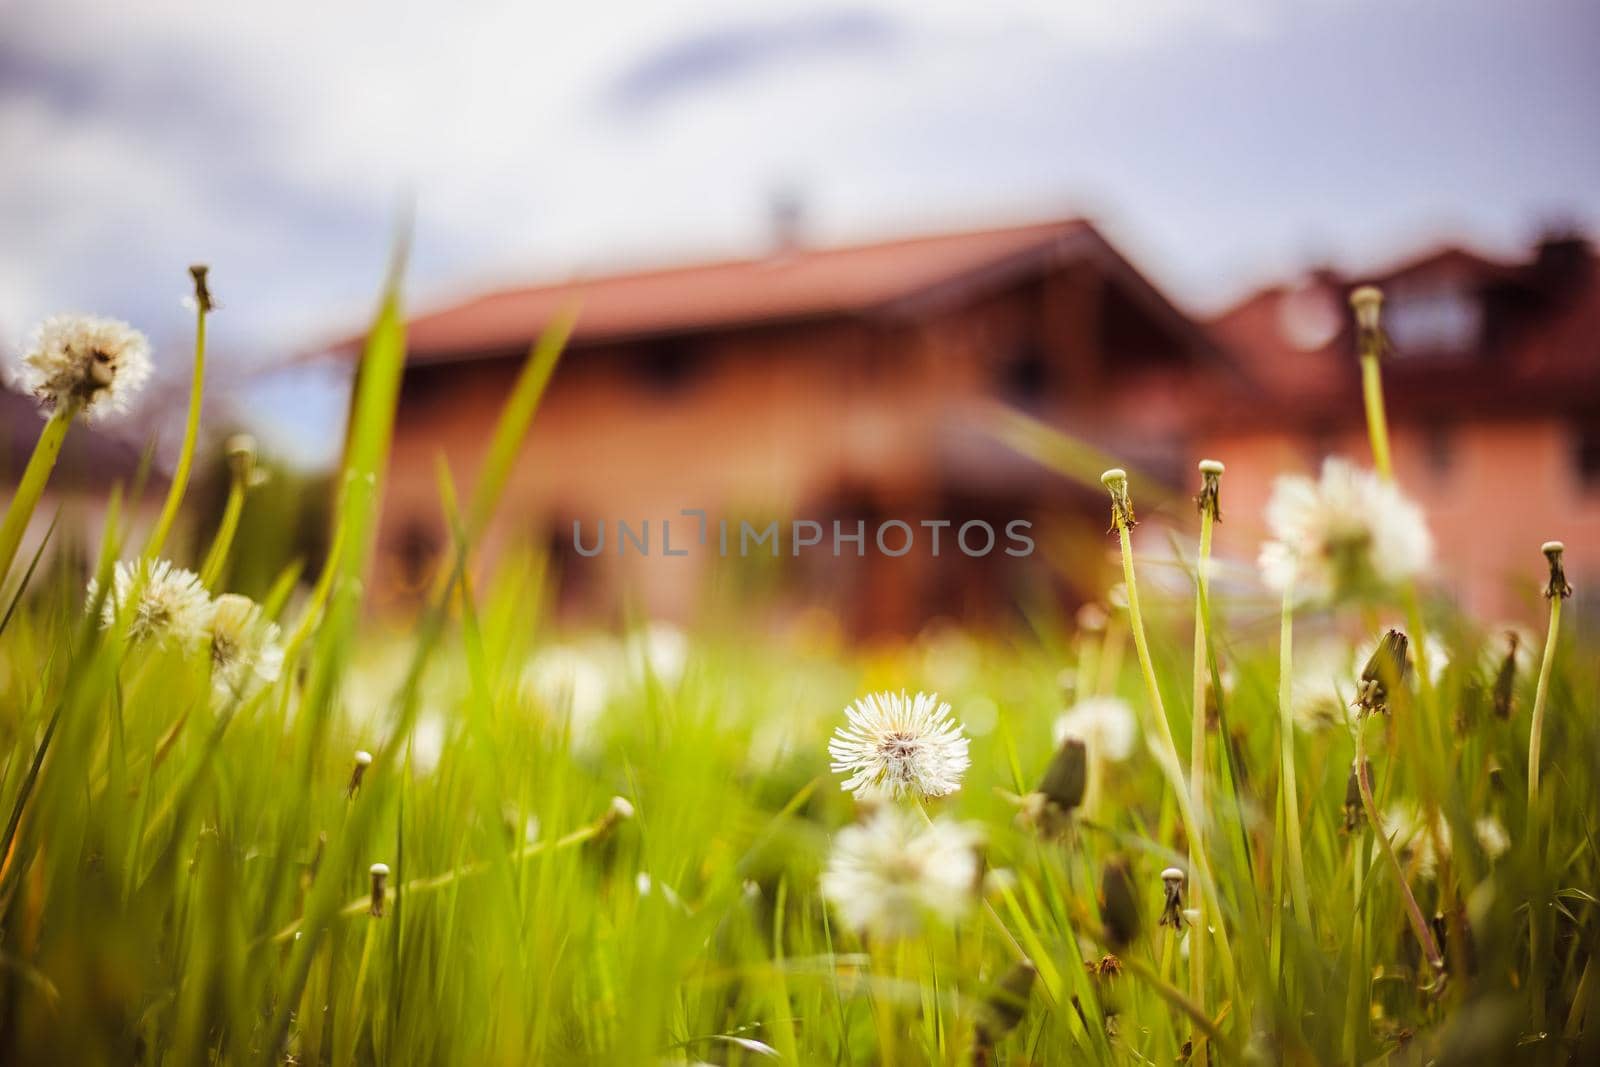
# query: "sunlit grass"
{"type": "Point", "coordinates": [608, 847]}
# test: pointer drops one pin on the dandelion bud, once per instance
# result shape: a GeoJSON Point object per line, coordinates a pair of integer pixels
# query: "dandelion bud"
{"type": "Point", "coordinates": [1119, 905]}
{"type": "Point", "coordinates": [1116, 482]}
{"type": "Point", "coordinates": [1352, 794]}
{"type": "Point", "coordinates": [363, 760]}
{"type": "Point", "coordinates": [1367, 303]}
{"type": "Point", "coordinates": [1061, 790]}
{"type": "Point", "coordinates": [1172, 880]}
{"type": "Point", "coordinates": [380, 884]}
{"type": "Point", "coordinates": [1004, 1007]}
{"type": "Point", "coordinates": [1558, 585]}
{"type": "Point", "coordinates": [1384, 673]}
{"type": "Point", "coordinates": [1210, 486]}
{"type": "Point", "coordinates": [1505, 680]}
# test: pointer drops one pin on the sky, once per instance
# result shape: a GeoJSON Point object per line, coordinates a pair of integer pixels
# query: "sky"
{"type": "Point", "coordinates": [1221, 144]}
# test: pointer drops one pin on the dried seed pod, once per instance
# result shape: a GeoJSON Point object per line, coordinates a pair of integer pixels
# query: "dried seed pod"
{"type": "Point", "coordinates": [1172, 881]}
{"type": "Point", "coordinates": [1209, 501]}
{"type": "Point", "coordinates": [1116, 482]}
{"type": "Point", "coordinates": [1505, 680]}
{"type": "Point", "coordinates": [358, 770]}
{"type": "Point", "coordinates": [1558, 586]}
{"type": "Point", "coordinates": [1352, 795]}
{"type": "Point", "coordinates": [380, 880]}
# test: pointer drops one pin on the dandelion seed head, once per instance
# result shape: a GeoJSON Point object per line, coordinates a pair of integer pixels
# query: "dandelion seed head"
{"type": "Point", "coordinates": [1336, 536]}
{"type": "Point", "coordinates": [245, 650]}
{"type": "Point", "coordinates": [1492, 836]}
{"type": "Point", "coordinates": [173, 607]}
{"type": "Point", "coordinates": [98, 362]}
{"type": "Point", "coordinates": [894, 872]}
{"type": "Point", "coordinates": [897, 745]}
{"type": "Point", "coordinates": [1106, 726]}
{"type": "Point", "coordinates": [1408, 829]}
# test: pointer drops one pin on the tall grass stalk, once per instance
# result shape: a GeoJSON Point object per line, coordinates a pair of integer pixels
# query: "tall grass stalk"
{"type": "Point", "coordinates": [1210, 512]}
{"type": "Point", "coordinates": [1419, 925]}
{"type": "Point", "coordinates": [191, 426]}
{"type": "Point", "coordinates": [1295, 859]}
{"type": "Point", "coordinates": [1166, 751]}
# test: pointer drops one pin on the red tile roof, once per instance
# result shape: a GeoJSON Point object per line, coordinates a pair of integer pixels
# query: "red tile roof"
{"type": "Point", "coordinates": [799, 284]}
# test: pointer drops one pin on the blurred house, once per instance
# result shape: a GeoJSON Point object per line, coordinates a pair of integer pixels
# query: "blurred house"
{"type": "Point", "coordinates": [850, 384]}
{"type": "Point", "coordinates": [1493, 395]}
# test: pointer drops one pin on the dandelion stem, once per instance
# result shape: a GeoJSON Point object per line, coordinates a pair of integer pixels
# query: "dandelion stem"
{"type": "Point", "coordinates": [1291, 790]}
{"type": "Point", "coordinates": [1541, 695]}
{"type": "Point", "coordinates": [1377, 419]}
{"type": "Point", "coordinates": [1167, 752]}
{"type": "Point", "coordinates": [1197, 734]}
{"type": "Point", "coordinates": [191, 429]}
{"type": "Point", "coordinates": [1557, 591]}
{"type": "Point", "coordinates": [1419, 925]}
{"type": "Point", "coordinates": [34, 478]}
{"type": "Point", "coordinates": [217, 557]}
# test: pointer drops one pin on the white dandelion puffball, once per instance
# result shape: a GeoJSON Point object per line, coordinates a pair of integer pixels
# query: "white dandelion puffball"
{"type": "Point", "coordinates": [244, 645]}
{"type": "Point", "coordinates": [173, 607]}
{"type": "Point", "coordinates": [1337, 535]}
{"type": "Point", "coordinates": [660, 651]}
{"type": "Point", "coordinates": [1105, 725]}
{"type": "Point", "coordinates": [99, 363]}
{"type": "Point", "coordinates": [1409, 830]}
{"type": "Point", "coordinates": [571, 679]}
{"type": "Point", "coordinates": [888, 875]}
{"type": "Point", "coordinates": [1322, 691]}
{"type": "Point", "coordinates": [897, 745]}
{"type": "Point", "coordinates": [1492, 837]}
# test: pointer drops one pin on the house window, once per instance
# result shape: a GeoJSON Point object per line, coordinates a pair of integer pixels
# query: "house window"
{"type": "Point", "coordinates": [668, 365]}
{"type": "Point", "coordinates": [1026, 376]}
{"type": "Point", "coordinates": [1436, 320]}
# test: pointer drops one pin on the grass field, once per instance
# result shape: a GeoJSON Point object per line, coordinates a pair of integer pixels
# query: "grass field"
{"type": "Point", "coordinates": [613, 848]}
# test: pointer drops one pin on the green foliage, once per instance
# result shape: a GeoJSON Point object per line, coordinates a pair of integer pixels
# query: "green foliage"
{"type": "Point", "coordinates": [186, 876]}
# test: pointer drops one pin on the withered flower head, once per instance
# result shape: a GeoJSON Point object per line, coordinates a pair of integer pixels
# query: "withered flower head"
{"type": "Point", "coordinates": [1384, 673]}
{"type": "Point", "coordinates": [1210, 486]}
{"type": "Point", "coordinates": [1116, 482]}
{"type": "Point", "coordinates": [1352, 795]}
{"type": "Point", "coordinates": [1367, 303]}
{"type": "Point", "coordinates": [1558, 586]}
{"type": "Point", "coordinates": [1172, 881]}
{"type": "Point", "coordinates": [380, 880]}
{"type": "Point", "coordinates": [1505, 680]}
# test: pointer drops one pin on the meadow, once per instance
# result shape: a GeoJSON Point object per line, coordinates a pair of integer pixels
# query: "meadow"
{"type": "Point", "coordinates": [283, 829]}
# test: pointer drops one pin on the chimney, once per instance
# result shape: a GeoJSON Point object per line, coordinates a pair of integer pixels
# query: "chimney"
{"type": "Point", "coordinates": [1562, 258]}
